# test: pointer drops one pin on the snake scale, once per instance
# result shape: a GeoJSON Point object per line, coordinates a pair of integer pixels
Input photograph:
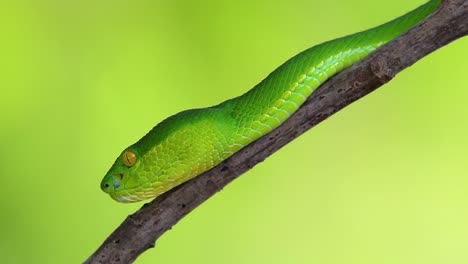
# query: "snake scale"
{"type": "Point", "coordinates": [194, 141]}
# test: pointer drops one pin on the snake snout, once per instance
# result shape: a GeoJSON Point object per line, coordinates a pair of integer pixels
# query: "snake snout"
{"type": "Point", "coordinates": [106, 185]}
{"type": "Point", "coordinates": [110, 183]}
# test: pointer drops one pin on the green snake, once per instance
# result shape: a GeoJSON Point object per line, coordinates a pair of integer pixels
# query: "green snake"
{"type": "Point", "coordinates": [194, 141]}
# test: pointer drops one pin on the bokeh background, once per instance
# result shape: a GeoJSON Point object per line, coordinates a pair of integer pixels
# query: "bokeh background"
{"type": "Point", "coordinates": [383, 181]}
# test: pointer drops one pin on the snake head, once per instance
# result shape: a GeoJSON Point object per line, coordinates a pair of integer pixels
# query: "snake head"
{"type": "Point", "coordinates": [117, 182]}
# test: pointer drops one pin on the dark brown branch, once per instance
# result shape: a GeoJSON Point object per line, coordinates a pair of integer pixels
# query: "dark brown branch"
{"type": "Point", "coordinates": [140, 231]}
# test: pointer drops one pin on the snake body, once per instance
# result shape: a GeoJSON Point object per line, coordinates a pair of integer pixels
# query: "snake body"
{"type": "Point", "coordinates": [193, 141]}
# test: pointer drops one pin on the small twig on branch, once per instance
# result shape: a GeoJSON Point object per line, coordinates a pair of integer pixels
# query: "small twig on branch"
{"type": "Point", "coordinates": [140, 230]}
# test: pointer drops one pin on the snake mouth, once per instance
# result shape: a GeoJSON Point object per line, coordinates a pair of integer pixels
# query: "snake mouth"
{"type": "Point", "coordinates": [125, 196]}
{"type": "Point", "coordinates": [136, 194]}
{"type": "Point", "coordinates": [111, 184]}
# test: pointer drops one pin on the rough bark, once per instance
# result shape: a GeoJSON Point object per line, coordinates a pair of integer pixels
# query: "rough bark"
{"type": "Point", "coordinates": [139, 231]}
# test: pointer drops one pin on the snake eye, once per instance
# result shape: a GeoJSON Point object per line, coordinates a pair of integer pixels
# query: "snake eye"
{"type": "Point", "coordinates": [129, 158]}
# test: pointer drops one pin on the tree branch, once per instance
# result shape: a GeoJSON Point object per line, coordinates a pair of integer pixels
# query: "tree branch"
{"type": "Point", "coordinates": [140, 230]}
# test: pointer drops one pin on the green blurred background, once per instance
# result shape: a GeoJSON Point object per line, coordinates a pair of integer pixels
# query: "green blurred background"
{"type": "Point", "coordinates": [383, 181]}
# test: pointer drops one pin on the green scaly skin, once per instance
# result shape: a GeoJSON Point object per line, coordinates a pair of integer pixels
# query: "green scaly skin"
{"type": "Point", "coordinates": [191, 142]}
